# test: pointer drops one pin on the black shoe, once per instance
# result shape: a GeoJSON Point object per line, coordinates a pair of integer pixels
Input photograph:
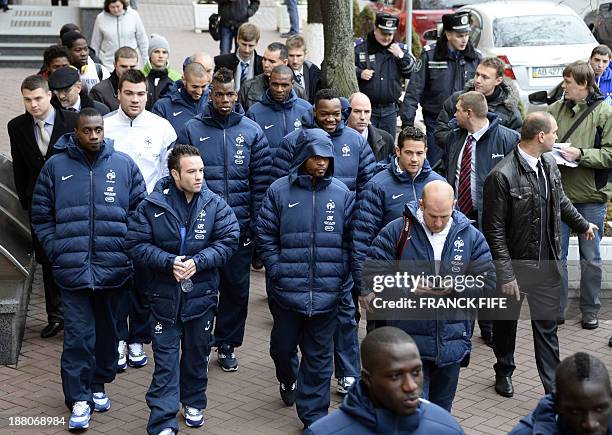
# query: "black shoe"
{"type": "Point", "coordinates": [560, 320]}
{"type": "Point", "coordinates": [257, 264]}
{"type": "Point", "coordinates": [5, 8]}
{"type": "Point", "coordinates": [487, 337]}
{"type": "Point", "coordinates": [503, 386]}
{"type": "Point", "coordinates": [286, 35]}
{"type": "Point", "coordinates": [610, 341]}
{"type": "Point", "coordinates": [51, 329]}
{"type": "Point", "coordinates": [288, 393]}
{"type": "Point", "coordinates": [589, 321]}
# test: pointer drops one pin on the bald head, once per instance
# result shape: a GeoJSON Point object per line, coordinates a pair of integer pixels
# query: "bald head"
{"type": "Point", "coordinates": [539, 133]}
{"type": "Point", "coordinates": [437, 204]}
{"type": "Point", "coordinates": [361, 111]}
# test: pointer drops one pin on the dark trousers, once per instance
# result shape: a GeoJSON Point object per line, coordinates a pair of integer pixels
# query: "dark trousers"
{"type": "Point", "coordinates": [234, 296]}
{"type": "Point", "coordinates": [133, 315]}
{"type": "Point", "coordinates": [385, 118]}
{"type": "Point", "coordinates": [314, 337]}
{"type": "Point", "coordinates": [434, 152]}
{"type": "Point", "coordinates": [178, 380]}
{"type": "Point", "coordinates": [543, 306]}
{"type": "Point", "coordinates": [440, 383]}
{"type": "Point", "coordinates": [56, 2]}
{"type": "Point", "coordinates": [346, 339]}
{"type": "Point", "coordinates": [89, 358]}
{"type": "Point", "coordinates": [227, 38]}
{"type": "Point", "coordinates": [53, 295]}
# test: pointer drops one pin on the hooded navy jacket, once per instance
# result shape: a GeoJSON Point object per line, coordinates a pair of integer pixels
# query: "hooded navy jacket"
{"type": "Point", "coordinates": [80, 214]}
{"type": "Point", "coordinates": [236, 159]}
{"type": "Point", "coordinates": [303, 233]}
{"type": "Point", "coordinates": [154, 240]}
{"type": "Point", "coordinates": [444, 338]}
{"type": "Point", "coordinates": [544, 420]}
{"type": "Point", "coordinates": [382, 201]}
{"type": "Point", "coordinates": [178, 108]}
{"type": "Point", "coordinates": [358, 416]}
{"type": "Point", "coordinates": [278, 119]}
{"type": "Point", "coordinates": [354, 160]}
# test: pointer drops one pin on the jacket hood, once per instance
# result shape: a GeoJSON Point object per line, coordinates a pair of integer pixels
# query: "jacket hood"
{"type": "Point", "coordinates": [267, 100]}
{"type": "Point", "coordinates": [310, 143]}
{"type": "Point", "coordinates": [67, 143]}
{"type": "Point", "coordinates": [358, 405]}
{"type": "Point", "coordinates": [459, 219]}
{"type": "Point", "coordinates": [210, 116]}
{"type": "Point", "coordinates": [309, 121]}
{"type": "Point", "coordinates": [508, 93]}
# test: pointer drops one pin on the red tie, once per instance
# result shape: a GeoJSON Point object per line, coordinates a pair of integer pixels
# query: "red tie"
{"type": "Point", "coordinates": [464, 197]}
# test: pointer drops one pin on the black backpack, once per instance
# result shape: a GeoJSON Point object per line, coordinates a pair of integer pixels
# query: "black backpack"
{"type": "Point", "coordinates": [214, 23]}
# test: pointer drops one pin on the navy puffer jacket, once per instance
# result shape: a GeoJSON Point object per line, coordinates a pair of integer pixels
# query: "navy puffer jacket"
{"type": "Point", "coordinates": [154, 240]}
{"type": "Point", "coordinates": [80, 214]}
{"type": "Point", "coordinates": [236, 159]}
{"type": "Point", "coordinates": [382, 201]}
{"type": "Point", "coordinates": [445, 338]}
{"type": "Point", "coordinates": [303, 233]}
{"type": "Point", "coordinates": [278, 119]}
{"type": "Point", "coordinates": [354, 160]}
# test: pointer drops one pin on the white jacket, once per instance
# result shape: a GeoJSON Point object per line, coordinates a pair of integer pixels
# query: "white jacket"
{"type": "Point", "coordinates": [147, 139]}
{"type": "Point", "coordinates": [89, 74]}
{"type": "Point", "coordinates": [111, 33]}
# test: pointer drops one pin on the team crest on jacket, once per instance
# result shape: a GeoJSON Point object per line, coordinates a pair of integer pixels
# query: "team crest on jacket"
{"type": "Point", "coordinates": [158, 328]}
{"type": "Point", "coordinates": [297, 124]}
{"type": "Point", "coordinates": [457, 260]}
{"type": "Point", "coordinates": [329, 223]}
{"type": "Point", "coordinates": [346, 150]}
{"type": "Point", "coordinates": [148, 142]}
{"type": "Point", "coordinates": [109, 193]}
{"type": "Point", "coordinates": [110, 176]}
{"type": "Point", "coordinates": [239, 156]}
{"type": "Point", "coordinates": [200, 232]}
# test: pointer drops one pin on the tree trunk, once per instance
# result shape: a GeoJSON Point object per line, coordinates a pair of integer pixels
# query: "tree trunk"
{"type": "Point", "coordinates": [314, 11]}
{"type": "Point", "coordinates": [338, 68]}
{"type": "Point", "coordinates": [313, 32]}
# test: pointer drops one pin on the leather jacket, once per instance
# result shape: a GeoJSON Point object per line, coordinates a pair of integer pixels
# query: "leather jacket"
{"type": "Point", "coordinates": [511, 213]}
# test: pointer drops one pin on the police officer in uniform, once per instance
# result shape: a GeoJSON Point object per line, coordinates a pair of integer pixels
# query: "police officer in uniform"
{"type": "Point", "coordinates": [445, 68]}
{"type": "Point", "coordinates": [380, 65]}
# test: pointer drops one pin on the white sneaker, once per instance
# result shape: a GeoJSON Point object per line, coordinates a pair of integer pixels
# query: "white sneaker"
{"type": "Point", "coordinates": [193, 417]}
{"type": "Point", "coordinates": [344, 384]}
{"type": "Point", "coordinates": [79, 419]}
{"type": "Point", "coordinates": [122, 361]}
{"type": "Point", "coordinates": [101, 402]}
{"type": "Point", "coordinates": [167, 431]}
{"type": "Point", "coordinates": [136, 355]}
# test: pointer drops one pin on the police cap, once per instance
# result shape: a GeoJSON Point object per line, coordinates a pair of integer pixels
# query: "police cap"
{"type": "Point", "coordinates": [387, 23]}
{"type": "Point", "coordinates": [458, 22]}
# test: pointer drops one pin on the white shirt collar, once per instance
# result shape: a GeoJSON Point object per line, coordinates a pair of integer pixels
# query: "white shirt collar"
{"type": "Point", "coordinates": [477, 135]}
{"type": "Point", "coordinates": [77, 105]}
{"type": "Point", "coordinates": [364, 133]}
{"type": "Point", "coordinates": [531, 161]}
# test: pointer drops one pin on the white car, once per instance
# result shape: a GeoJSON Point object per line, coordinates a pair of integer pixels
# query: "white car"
{"type": "Point", "coordinates": [536, 40]}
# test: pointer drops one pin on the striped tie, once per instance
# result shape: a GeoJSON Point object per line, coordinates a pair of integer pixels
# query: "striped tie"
{"type": "Point", "coordinates": [243, 73]}
{"type": "Point", "coordinates": [464, 197]}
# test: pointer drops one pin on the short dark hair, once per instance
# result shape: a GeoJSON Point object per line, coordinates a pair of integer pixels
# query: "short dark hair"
{"type": "Point", "coordinates": [411, 133]}
{"type": "Point", "coordinates": [582, 73]}
{"type": "Point", "coordinates": [283, 70]}
{"type": "Point", "coordinates": [535, 123]}
{"type": "Point", "coordinates": [326, 94]}
{"type": "Point", "coordinates": [180, 150]}
{"type": "Point", "coordinates": [496, 63]}
{"type": "Point", "coordinates": [279, 46]}
{"type": "Point", "coordinates": [126, 53]}
{"type": "Point", "coordinates": [387, 335]}
{"type": "Point", "coordinates": [581, 366]}
{"type": "Point", "coordinates": [223, 76]}
{"type": "Point", "coordinates": [68, 27]}
{"type": "Point", "coordinates": [194, 69]}
{"type": "Point", "coordinates": [55, 51]}
{"type": "Point", "coordinates": [69, 38]}
{"type": "Point", "coordinates": [133, 76]}
{"type": "Point", "coordinates": [108, 2]}
{"type": "Point", "coordinates": [33, 82]}
{"type": "Point", "coordinates": [602, 50]}
{"type": "Point", "coordinates": [89, 112]}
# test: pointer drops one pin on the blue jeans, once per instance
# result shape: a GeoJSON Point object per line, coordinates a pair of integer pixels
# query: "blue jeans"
{"type": "Point", "coordinates": [385, 118]}
{"type": "Point", "coordinates": [440, 384]}
{"type": "Point", "coordinates": [294, 16]}
{"type": "Point", "coordinates": [590, 260]}
{"type": "Point", "coordinates": [228, 37]}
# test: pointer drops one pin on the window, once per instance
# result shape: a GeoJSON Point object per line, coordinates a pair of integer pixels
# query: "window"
{"type": "Point", "coordinates": [538, 30]}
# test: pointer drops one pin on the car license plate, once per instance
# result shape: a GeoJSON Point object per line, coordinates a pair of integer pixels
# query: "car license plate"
{"type": "Point", "coordinates": [547, 71]}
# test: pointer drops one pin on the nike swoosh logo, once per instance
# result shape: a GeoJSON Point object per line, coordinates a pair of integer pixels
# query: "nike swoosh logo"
{"type": "Point", "coordinates": [268, 126]}
{"type": "Point", "coordinates": [159, 214]}
{"type": "Point", "coordinates": [397, 196]}
{"type": "Point", "coordinates": [202, 139]}
{"type": "Point", "coordinates": [293, 205]}
{"type": "Point", "coordinates": [207, 326]}
{"type": "Point", "coordinates": [177, 113]}
{"type": "Point", "coordinates": [64, 178]}
{"type": "Point", "coordinates": [247, 243]}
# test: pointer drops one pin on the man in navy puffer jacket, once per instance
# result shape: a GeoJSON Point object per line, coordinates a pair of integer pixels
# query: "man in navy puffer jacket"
{"type": "Point", "coordinates": [181, 235]}
{"type": "Point", "coordinates": [237, 160]}
{"type": "Point", "coordinates": [80, 210]}
{"type": "Point", "coordinates": [384, 404]}
{"type": "Point", "coordinates": [440, 242]}
{"type": "Point", "coordinates": [354, 164]}
{"type": "Point", "coordinates": [304, 239]}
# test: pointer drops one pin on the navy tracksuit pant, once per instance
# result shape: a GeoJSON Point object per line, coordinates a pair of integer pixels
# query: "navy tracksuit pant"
{"type": "Point", "coordinates": [181, 351]}
{"type": "Point", "coordinates": [314, 337]}
{"type": "Point", "coordinates": [234, 296]}
{"type": "Point", "coordinates": [133, 318]}
{"type": "Point", "coordinates": [346, 340]}
{"type": "Point", "coordinates": [89, 358]}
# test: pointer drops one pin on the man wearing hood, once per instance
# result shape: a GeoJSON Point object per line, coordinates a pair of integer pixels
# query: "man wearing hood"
{"type": "Point", "coordinates": [445, 68]}
{"type": "Point", "coordinates": [381, 64]}
{"type": "Point", "coordinates": [433, 240]}
{"type": "Point", "coordinates": [303, 234]}
{"type": "Point", "coordinates": [387, 399]}
{"type": "Point", "coordinates": [581, 405]}
{"type": "Point", "coordinates": [236, 153]}
{"type": "Point", "coordinates": [187, 98]}
{"type": "Point", "coordinates": [80, 208]}
{"type": "Point", "coordinates": [501, 94]}
{"type": "Point", "coordinates": [353, 165]}
{"type": "Point", "coordinates": [280, 110]}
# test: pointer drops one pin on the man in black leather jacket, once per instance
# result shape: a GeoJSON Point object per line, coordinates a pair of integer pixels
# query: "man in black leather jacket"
{"type": "Point", "coordinates": [523, 205]}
